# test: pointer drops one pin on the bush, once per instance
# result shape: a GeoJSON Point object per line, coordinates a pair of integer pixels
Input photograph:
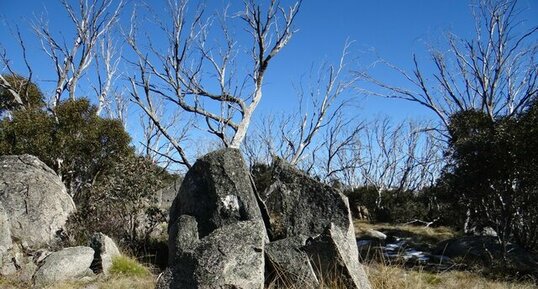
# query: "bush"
{"type": "Point", "coordinates": [31, 95]}
{"type": "Point", "coordinates": [75, 142]}
{"type": "Point", "coordinates": [493, 176]}
{"type": "Point", "coordinates": [122, 203]}
{"type": "Point", "coordinates": [396, 206]}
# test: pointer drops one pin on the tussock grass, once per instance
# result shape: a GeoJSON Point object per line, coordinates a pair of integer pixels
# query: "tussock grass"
{"type": "Point", "coordinates": [394, 277]}
{"type": "Point", "coordinates": [123, 266]}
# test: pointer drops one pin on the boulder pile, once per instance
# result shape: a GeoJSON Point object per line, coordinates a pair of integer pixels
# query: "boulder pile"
{"type": "Point", "coordinates": [34, 207]}
{"type": "Point", "coordinates": [223, 233]}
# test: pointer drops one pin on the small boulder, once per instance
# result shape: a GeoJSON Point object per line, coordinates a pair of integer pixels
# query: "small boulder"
{"type": "Point", "coordinates": [371, 233]}
{"type": "Point", "coordinates": [105, 250]}
{"type": "Point", "coordinates": [34, 198]}
{"type": "Point", "coordinates": [67, 264]}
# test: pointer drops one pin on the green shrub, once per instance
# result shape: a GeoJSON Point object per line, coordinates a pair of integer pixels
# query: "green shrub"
{"type": "Point", "coordinates": [122, 203]}
{"type": "Point", "coordinates": [74, 141]}
{"type": "Point", "coordinates": [30, 94]}
{"type": "Point", "coordinates": [493, 177]}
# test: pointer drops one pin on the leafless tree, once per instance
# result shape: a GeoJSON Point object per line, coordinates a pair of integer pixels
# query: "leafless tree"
{"type": "Point", "coordinates": [106, 66]}
{"type": "Point", "coordinates": [298, 137]}
{"type": "Point", "coordinates": [154, 144]}
{"type": "Point", "coordinates": [325, 97]}
{"type": "Point", "coordinates": [91, 20]}
{"type": "Point", "coordinates": [180, 73]}
{"type": "Point", "coordinates": [398, 157]}
{"type": "Point", "coordinates": [339, 150]}
{"type": "Point", "coordinates": [495, 72]}
{"type": "Point", "coordinates": [18, 91]}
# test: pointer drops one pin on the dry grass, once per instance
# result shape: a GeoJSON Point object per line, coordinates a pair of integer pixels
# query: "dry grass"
{"type": "Point", "coordinates": [429, 234]}
{"type": "Point", "coordinates": [110, 283]}
{"type": "Point", "coordinates": [147, 282]}
{"type": "Point", "coordinates": [381, 277]}
{"type": "Point", "coordinates": [396, 277]}
{"type": "Point", "coordinates": [392, 277]}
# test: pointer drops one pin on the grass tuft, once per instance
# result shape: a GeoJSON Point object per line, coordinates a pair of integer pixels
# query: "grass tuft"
{"type": "Point", "coordinates": [123, 266]}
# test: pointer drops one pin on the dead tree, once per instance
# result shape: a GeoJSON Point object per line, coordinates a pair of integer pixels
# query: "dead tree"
{"type": "Point", "coordinates": [106, 66]}
{"type": "Point", "coordinates": [91, 20]}
{"type": "Point", "coordinates": [327, 104]}
{"type": "Point", "coordinates": [496, 72]}
{"type": "Point", "coordinates": [298, 137]}
{"type": "Point", "coordinates": [179, 72]}
{"type": "Point", "coordinates": [339, 150]}
{"type": "Point", "coordinates": [403, 157]}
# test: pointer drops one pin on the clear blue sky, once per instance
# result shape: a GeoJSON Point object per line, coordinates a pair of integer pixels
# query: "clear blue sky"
{"type": "Point", "coordinates": [393, 29]}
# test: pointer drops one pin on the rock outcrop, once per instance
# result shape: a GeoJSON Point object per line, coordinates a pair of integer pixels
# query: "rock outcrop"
{"type": "Point", "coordinates": [35, 200]}
{"type": "Point", "coordinates": [34, 206]}
{"type": "Point", "coordinates": [105, 250]}
{"type": "Point", "coordinates": [216, 233]}
{"type": "Point", "coordinates": [298, 205]}
{"type": "Point", "coordinates": [67, 264]}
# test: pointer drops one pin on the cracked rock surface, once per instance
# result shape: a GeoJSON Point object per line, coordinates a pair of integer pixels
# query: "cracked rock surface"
{"type": "Point", "coordinates": [34, 199]}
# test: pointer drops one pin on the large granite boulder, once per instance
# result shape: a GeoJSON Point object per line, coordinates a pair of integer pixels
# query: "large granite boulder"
{"type": "Point", "coordinates": [217, 192]}
{"type": "Point", "coordinates": [105, 251]}
{"type": "Point", "coordinates": [216, 233]}
{"type": "Point", "coordinates": [35, 200]}
{"type": "Point", "coordinates": [298, 205]}
{"type": "Point", "coordinates": [67, 264]}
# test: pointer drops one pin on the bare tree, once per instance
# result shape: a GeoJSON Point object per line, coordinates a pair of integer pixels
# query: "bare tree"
{"type": "Point", "coordinates": [17, 90]}
{"type": "Point", "coordinates": [91, 20]}
{"type": "Point", "coordinates": [403, 157]}
{"type": "Point", "coordinates": [340, 149]}
{"type": "Point", "coordinates": [297, 137]}
{"type": "Point", "coordinates": [106, 65]}
{"type": "Point", "coordinates": [180, 73]}
{"type": "Point", "coordinates": [325, 97]}
{"type": "Point", "coordinates": [154, 145]}
{"type": "Point", "coordinates": [495, 72]}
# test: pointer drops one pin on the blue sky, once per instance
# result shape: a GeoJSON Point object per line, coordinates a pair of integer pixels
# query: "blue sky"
{"type": "Point", "coordinates": [391, 29]}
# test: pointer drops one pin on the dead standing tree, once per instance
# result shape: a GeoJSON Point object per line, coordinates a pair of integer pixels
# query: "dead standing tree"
{"type": "Point", "coordinates": [495, 72]}
{"type": "Point", "coordinates": [403, 157]}
{"type": "Point", "coordinates": [91, 20]}
{"type": "Point", "coordinates": [177, 75]}
{"type": "Point", "coordinates": [298, 137]}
